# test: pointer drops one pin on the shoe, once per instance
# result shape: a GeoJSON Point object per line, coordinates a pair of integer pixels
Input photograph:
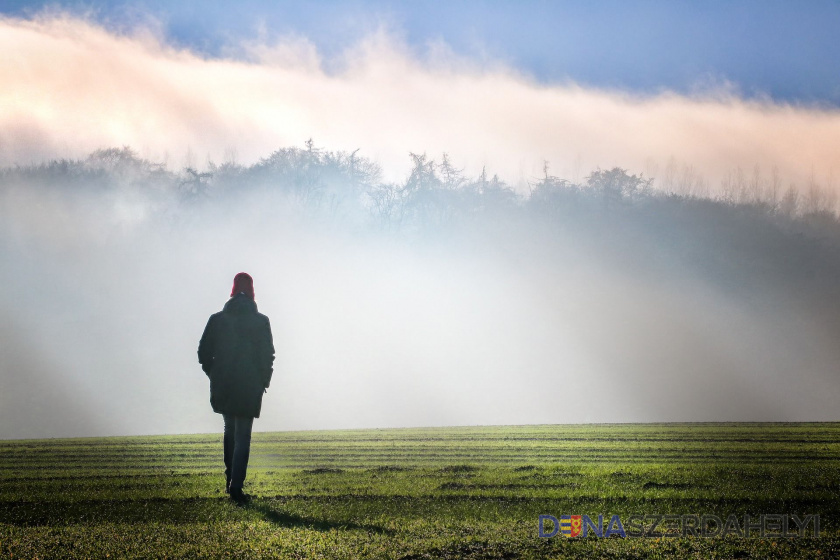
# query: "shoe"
{"type": "Point", "coordinates": [239, 497]}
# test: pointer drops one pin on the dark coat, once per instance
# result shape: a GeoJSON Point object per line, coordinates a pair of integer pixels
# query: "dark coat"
{"type": "Point", "coordinates": [237, 353]}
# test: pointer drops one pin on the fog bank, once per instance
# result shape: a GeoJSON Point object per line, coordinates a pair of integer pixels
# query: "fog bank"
{"type": "Point", "coordinates": [459, 305]}
{"type": "Point", "coordinates": [70, 86]}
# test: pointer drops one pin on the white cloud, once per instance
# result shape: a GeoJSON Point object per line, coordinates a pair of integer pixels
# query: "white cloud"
{"type": "Point", "coordinates": [69, 86]}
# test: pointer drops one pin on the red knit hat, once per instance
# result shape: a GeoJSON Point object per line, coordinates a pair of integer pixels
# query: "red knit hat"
{"type": "Point", "coordinates": [243, 282]}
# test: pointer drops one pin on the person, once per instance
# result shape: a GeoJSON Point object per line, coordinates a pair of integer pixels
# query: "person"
{"type": "Point", "coordinates": [236, 352]}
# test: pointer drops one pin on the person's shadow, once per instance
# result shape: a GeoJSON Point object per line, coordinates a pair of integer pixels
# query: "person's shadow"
{"type": "Point", "coordinates": [285, 519]}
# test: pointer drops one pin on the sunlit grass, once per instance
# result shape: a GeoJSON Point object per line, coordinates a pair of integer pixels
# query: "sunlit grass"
{"type": "Point", "coordinates": [415, 493]}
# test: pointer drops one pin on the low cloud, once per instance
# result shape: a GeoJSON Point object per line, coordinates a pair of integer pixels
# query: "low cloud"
{"type": "Point", "coordinates": [70, 86]}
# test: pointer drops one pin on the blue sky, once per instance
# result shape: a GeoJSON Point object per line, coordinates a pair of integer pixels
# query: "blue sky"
{"type": "Point", "coordinates": [789, 51]}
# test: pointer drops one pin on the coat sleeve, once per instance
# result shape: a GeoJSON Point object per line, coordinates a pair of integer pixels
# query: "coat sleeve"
{"type": "Point", "coordinates": [206, 352]}
{"type": "Point", "coordinates": [268, 354]}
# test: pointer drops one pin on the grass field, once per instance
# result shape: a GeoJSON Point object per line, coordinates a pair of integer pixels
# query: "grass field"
{"type": "Point", "coordinates": [417, 493]}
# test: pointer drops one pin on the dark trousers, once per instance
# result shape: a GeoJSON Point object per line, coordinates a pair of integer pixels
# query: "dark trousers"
{"type": "Point", "coordinates": [237, 449]}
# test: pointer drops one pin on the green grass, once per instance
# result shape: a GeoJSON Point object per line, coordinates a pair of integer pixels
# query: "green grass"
{"type": "Point", "coordinates": [416, 493]}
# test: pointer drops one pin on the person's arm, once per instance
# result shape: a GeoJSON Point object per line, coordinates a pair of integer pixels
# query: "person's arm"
{"type": "Point", "coordinates": [268, 354]}
{"type": "Point", "coordinates": [205, 348]}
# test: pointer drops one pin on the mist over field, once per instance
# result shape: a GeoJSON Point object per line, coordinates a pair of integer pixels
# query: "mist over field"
{"type": "Point", "coordinates": [442, 299]}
